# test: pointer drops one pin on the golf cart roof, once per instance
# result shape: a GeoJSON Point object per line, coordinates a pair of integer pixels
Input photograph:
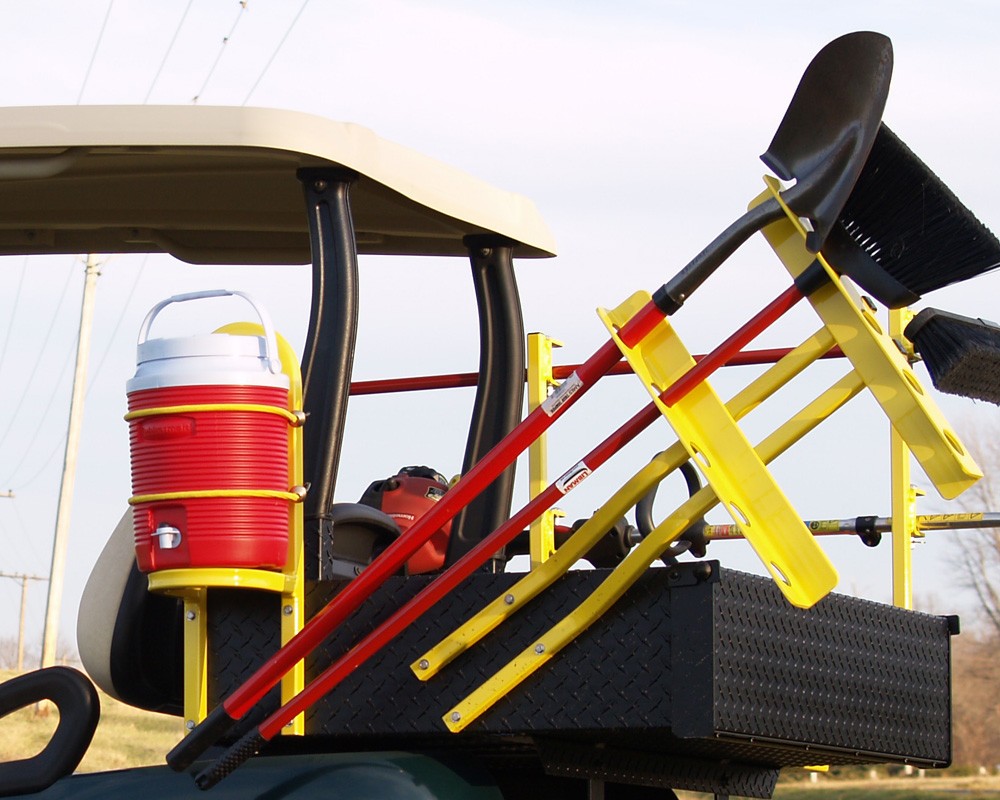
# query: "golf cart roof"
{"type": "Point", "coordinates": [217, 185]}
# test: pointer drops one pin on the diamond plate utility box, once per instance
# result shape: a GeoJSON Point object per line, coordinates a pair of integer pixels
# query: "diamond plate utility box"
{"type": "Point", "coordinates": [694, 659]}
{"type": "Point", "coordinates": [698, 677]}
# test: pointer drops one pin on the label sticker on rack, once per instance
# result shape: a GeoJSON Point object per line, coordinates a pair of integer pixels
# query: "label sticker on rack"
{"type": "Point", "coordinates": [573, 477]}
{"type": "Point", "coordinates": [562, 394]}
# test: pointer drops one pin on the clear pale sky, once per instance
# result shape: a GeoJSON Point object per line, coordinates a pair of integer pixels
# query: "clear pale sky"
{"type": "Point", "coordinates": [634, 126]}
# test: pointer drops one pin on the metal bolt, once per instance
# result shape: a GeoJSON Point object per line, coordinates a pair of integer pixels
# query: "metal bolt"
{"type": "Point", "coordinates": [320, 186]}
{"type": "Point", "coordinates": [539, 648]}
{"type": "Point", "coordinates": [189, 724]}
{"type": "Point", "coordinates": [509, 599]}
{"type": "Point", "coordinates": [424, 664]}
{"type": "Point", "coordinates": [191, 616]}
{"type": "Point", "coordinates": [455, 716]}
{"type": "Point", "coordinates": [286, 610]}
{"type": "Point", "coordinates": [484, 252]}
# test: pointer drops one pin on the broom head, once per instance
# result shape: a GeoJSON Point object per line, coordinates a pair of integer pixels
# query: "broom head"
{"type": "Point", "coordinates": [962, 354]}
{"type": "Point", "coordinates": [903, 232]}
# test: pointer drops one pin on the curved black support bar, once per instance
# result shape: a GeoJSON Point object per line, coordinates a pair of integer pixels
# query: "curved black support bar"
{"type": "Point", "coordinates": [500, 390]}
{"type": "Point", "coordinates": [205, 734]}
{"type": "Point", "coordinates": [693, 538]}
{"type": "Point", "coordinates": [79, 710]}
{"type": "Point", "coordinates": [226, 764]}
{"type": "Point", "coordinates": [328, 358]}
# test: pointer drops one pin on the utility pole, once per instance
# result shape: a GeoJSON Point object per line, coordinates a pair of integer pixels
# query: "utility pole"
{"type": "Point", "coordinates": [53, 605]}
{"type": "Point", "coordinates": [20, 576]}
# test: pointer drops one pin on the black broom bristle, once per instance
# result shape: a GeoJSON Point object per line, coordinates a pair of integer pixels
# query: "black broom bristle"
{"type": "Point", "coordinates": [912, 225]}
{"type": "Point", "coordinates": [962, 354]}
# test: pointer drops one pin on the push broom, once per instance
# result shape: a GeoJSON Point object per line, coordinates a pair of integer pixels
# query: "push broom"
{"type": "Point", "coordinates": [848, 80]}
{"type": "Point", "coordinates": [823, 142]}
{"type": "Point", "coordinates": [962, 355]}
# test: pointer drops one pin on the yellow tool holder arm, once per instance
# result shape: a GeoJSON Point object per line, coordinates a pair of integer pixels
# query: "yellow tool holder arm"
{"type": "Point", "coordinates": [591, 531]}
{"type": "Point", "coordinates": [873, 353]}
{"type": "Point", "coordinates": [637, 562]}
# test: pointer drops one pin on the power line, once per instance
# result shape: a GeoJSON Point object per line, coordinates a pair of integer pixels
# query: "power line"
{"type": "Point", "coordinates": [97, 47]}
{"type": "Point", "coordinates": [166, 55]}
{"type": "Point", "coordinates": [44, 415]}
{"type": "Point", "coordinates": [31, 540]}
{"type": "Point", "coordinates": [121, 317]}
{"type": "Point", "coordinates": [13, 313]}
{"type": "Point", "coordinates": [222, 49]}
{"type": "Point", "coordinates": [38, 361]}
{"type": "Point", "coordinates": [23, 579]}
{"type": "Point", "coordinates": [274, 55]}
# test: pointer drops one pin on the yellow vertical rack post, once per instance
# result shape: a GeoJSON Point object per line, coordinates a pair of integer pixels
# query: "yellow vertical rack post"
{"type": "Point", "coordinates": [540, 381]}
{"type": "Point", "coordinates": [903, 494]}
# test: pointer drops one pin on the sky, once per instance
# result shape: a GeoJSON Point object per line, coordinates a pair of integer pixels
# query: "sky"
{"type": "Point", "coordinates": [635, 127]}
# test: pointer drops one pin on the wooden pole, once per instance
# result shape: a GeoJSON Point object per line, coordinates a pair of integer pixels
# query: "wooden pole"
{"type": "Point", "coordinates": [53, 604]}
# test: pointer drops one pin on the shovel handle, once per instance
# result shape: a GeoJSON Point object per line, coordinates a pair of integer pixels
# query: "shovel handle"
{"type": "Point", "coordinates": [671, 296]}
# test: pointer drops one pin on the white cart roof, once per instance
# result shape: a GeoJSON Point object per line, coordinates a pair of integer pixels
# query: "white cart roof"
{"type": "Point", "coordinates": [217, 185]}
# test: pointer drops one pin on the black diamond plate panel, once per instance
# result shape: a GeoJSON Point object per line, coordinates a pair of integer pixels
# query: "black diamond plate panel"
{"type": "Point", "coordinates": [847, 673]}
{"type": "Point", "coordinates": [715, 667]}
{"type": "Point", "coordinates": [602, 682]}
{"type": "Point", "coordinates": [244, 630]}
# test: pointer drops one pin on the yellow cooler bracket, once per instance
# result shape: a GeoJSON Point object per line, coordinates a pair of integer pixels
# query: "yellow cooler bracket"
{"type": "Point", "coordinates": [192, 584]}
{"type": "Point", "coordinates": [876, 357]}
{"type": "Point", "coordinates": [716, 444]}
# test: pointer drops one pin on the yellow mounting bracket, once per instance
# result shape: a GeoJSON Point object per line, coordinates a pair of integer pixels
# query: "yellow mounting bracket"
{"type": "Point", "coordinates": [872, 352]}
{"type": "Point", "coordinates": [192, 584]}
{"type": "Point", "coordinates": [727, 459]}
{"type": "Point", "coordinates": [625, 574]}
{"type": "Point", "coordinates": [511, 601]}
{"type": "Point", "coordinates": [541, 534]}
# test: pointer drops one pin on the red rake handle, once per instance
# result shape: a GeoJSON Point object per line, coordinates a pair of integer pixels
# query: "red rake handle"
{"type": "Point", "coordinates": [441, 586]}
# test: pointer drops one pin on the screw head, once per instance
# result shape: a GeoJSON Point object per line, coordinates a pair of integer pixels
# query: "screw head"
{"type": "Point", "coordinates": [320, 185]}
{"type": "Point", "coordinates": [509, 599]}
{"type": "Point", "coordinates": [455, 716]}
{"type": "Point", "coordinates": [539, 648]}
{"type": "Point", "coordinates": [286, 610]}
{"type": "Point", "coordinates": [190, 616]}
{"type": "Point", "coordinates": [189, 724]}
{"type": "Point", "coordinates": [424, 664]}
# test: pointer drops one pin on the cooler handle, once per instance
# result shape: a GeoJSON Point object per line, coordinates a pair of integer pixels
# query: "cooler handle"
{"type": "Point", "coordinates": [270, 339]}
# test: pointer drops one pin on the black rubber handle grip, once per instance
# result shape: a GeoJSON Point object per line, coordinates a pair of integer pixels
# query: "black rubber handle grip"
{"type": "Point", "coordinates": [79, 710]}
{"type": "Point", "coordinates": [204, 735]}
{"type": "Point", "coordinates": [244, 749]}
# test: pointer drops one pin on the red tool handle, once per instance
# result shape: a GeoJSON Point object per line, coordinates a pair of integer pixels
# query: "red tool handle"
{"type": "Point", "coordinates": [333, 675]}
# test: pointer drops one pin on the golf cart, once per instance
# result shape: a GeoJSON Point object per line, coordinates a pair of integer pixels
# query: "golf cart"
{"type": "Point", "coordinates": [351, 659]}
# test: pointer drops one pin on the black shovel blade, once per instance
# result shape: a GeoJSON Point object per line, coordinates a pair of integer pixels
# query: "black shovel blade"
{"type": "Point", "coordinates": [828, 130]}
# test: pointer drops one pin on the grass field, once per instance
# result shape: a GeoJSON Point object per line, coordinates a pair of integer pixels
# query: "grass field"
{"type": "Point", "coordinates": [937, 787]}
{"type": "Point", "coordinates": [127, 737]}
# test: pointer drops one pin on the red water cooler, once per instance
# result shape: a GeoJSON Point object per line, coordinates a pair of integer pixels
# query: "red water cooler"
{"type": "Point", "coordinates": [209, 422]}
